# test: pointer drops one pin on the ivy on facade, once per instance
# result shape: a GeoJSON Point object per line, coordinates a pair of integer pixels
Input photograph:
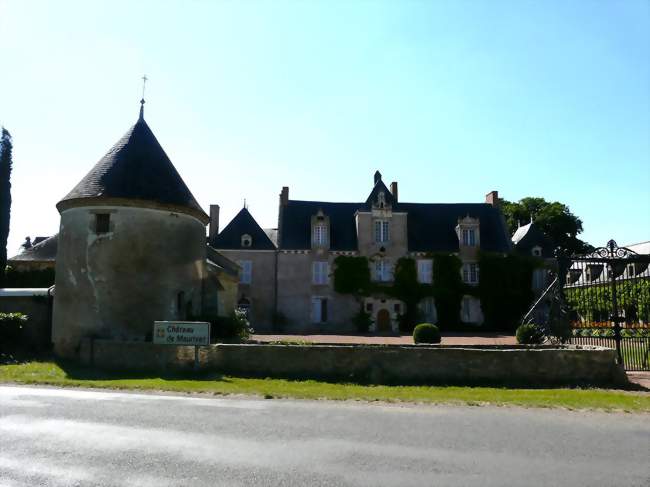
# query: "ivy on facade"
{"type": "Point", "coordinates": [504, 287]}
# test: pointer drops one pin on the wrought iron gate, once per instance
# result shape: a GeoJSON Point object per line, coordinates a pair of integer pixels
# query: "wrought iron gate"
{"type": "Point", "coordinates": [605, 297]}
{"type": "Point", "coordinates": [607, 293]}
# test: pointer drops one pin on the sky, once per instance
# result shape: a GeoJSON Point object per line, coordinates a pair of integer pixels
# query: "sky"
{"type": "Point", "coordinates": [452, 99]}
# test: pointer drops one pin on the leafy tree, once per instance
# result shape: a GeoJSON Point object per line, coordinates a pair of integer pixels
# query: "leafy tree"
{"type": "Point", "coordinates": [553, 218]}
{"type": "Point", "coordinates": [6, 148]}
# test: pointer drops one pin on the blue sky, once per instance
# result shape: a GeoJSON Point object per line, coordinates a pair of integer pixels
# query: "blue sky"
{"type": "Point", "coordinates": [451, 99]}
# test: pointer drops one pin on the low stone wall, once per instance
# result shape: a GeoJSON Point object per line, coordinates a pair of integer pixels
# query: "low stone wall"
{"type": "Point", "coordinates": [533, 366]}
{"type": "Point", "coordinates": [37, 305]}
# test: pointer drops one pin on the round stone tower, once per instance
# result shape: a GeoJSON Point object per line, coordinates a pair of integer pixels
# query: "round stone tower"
{"type": "Point", "coordinates": [131, 248]}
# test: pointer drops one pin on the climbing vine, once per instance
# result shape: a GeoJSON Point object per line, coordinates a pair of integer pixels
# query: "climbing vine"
{"type": "Point", "coordinates": [504, 287]}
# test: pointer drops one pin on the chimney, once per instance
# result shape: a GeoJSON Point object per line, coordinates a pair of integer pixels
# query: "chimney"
{"type": "Point", "coordinates": [393, 190]}
{"type": "Point", "coordinates": [284, 196]}
{"type": "Point", "coordinates": [492, 198]}
{"type": "Point", "coordinates": [214, 222]}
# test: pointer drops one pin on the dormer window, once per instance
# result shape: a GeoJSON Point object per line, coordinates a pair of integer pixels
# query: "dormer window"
{"type": "Point", "coordinates": [382, 232]}
{"type": "Point", "coordinates": [246, 241]}
{"type": "Point", "coordinates": [469, 237]}
{"type": "Point", "coordinates": [320, 235]}
{"type": "Point", "coordinates": [537, 251]}
{"type": "Point", "coordinates": [381, 199]}
{"type": "Point", "coordinates": [468, 232]}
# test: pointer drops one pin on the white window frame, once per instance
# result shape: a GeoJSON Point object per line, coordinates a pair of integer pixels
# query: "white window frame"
{"type": "Point", "coordinates": [382, 270]}
{"type": "Point", "coordinates": [471, 273]}
{"type": "Point", "coordinates": [469, 237]}
{"type": "Point", "coordinates": [317, 309]}
{"type": "Point", "coordinates": [382, 231]}
{"type": "Point", "coordinates": [320, 272]}
{"type": "Point", "coordinates": [246, 238]}
{"type": "Point", "coordinates": [425, 271]}
{"type": "Point", "coordinates": [246, 274]}
{"type": "Point", "coordinates": [319, 236]}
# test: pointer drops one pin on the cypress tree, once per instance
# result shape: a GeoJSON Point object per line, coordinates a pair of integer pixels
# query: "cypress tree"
{"type": "Point", "coordinates": [6, 148]}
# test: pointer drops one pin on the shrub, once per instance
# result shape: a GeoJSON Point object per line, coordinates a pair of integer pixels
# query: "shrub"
{"type": "Point", "coordinates": [426, 333]}
{"type": "Point", "coordinates": [529, 334]}
{"type": "Point", "coordinates": [233, 327]}
{"type": "Point", "coordinates": [11, 330]}
{"type": "Point", "coordinates": [362, 321]}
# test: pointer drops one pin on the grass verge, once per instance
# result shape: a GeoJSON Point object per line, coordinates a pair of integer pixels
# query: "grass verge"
{"type": "Point", "coordinates": [66, 375]}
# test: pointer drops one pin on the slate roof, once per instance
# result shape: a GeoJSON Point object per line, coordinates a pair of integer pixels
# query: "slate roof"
{"type": "Point", "coordinates": [528, 236]}
{"type": "Point", "coordinates": [431, 226]}
{"type": "Point", "coordinates": [243, 223]}
{"type": "Point", "coordinates": [136, 168]}
{"type": "Point", "coordinates": [43, 251]}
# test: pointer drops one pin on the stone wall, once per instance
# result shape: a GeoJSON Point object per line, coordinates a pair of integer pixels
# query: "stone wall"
{"type": "Point", "coordinates": [416, 364]}
{"type": "Point", "coordinates": [149, 266]}
{"type": "Point", "coordinates": [37, 305]}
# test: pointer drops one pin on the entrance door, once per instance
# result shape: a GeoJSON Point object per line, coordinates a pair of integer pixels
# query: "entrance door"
{"type": "Point", "coordinates": [383, 321]}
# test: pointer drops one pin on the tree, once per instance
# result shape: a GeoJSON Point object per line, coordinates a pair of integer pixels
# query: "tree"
{"type": "Point", "coordinates": [553, 218]}
{"type": "Point", "coordinates": [6, 148]}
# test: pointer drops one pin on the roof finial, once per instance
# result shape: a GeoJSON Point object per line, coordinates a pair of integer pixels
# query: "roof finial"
{"type": "Point", "coordinates": [377, 177]}
{"type": "Point", "coordinates": [245, 206]}
{"type": "Point", "coordinates": [144, 83]}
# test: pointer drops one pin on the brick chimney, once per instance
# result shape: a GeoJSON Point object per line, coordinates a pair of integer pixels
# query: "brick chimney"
{"type": "Point", "coordinates": [492, 198]}
{"type": "Point", "coordinates": [214, 222]}
{"type": "Point", "coordinates": [393, 190]}
{"type": "Point", "coordinates": [284, 196]}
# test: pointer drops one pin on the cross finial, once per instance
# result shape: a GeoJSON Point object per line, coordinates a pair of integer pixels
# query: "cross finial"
{"type": "Point", "coordinates": [144, 83]}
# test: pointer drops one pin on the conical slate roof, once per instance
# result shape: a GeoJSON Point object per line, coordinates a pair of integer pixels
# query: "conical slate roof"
{"type": "Point", "coordinates": [136, 168]}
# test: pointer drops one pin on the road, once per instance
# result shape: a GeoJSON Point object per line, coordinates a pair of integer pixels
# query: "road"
{"type": "Point", "coordinates": [57, 437]}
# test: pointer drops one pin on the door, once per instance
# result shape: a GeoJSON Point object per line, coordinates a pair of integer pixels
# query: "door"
{"type": "Point", "coordinates": [383, 321]}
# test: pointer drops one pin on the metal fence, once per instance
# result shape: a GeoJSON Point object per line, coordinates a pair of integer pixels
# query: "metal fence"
{"type": "Point", "coordinates": [607, 295]}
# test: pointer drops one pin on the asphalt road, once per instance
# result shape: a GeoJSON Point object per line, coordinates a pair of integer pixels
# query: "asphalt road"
{"type": "Point", "coordinates": [72, 437]}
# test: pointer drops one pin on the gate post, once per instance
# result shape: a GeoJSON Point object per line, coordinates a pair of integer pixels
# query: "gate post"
{"type": "Point", "coordinates": [615, 316]}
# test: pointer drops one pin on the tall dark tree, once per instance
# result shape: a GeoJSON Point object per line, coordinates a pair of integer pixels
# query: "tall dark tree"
{"type": "Point", "coordinates": [553, 218]}
{"type": "Point", "coordinates": [6, 148]}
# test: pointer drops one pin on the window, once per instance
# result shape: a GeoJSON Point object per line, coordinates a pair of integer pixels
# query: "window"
{"type": "Point", "coordinates": [246, 274]}
{"type": "Point", "coordinates": [469, 237]}
{"type": "Point", "coordinates": [102, 223]}
{"type": "Point", "coordinates": [397, 308]}
{"type": "Point", "coordinates": [537, 251]}
{"type": "Point", "coordinates": [425, 271]}
{"type": "Point", "coordinates": [381, 231]}
{"type": "Point", "coordinates": [466, 310]}
{"type": "Point", "coordinates": [470, 273]}
{"type": "Point", "coordinates": [318, 310]}
{"type": "Point", "coordinates": [368, 307]}
{"type": "Point", "coordinates": [381, 199]}
{"type": "Point", "coordinates": [428, 309]}
{"type": "Point", "coordinates": [539, 279]}
{"type": "Point", "coordinates": [320, 235]}
{"type": "Point", "coordinates": [246, 240]}
{"type": "Point", "coordinates": [320, 272]}
{"type": "Point", "coordinates": [382, 271]}
{"type": "Point", "coordinates": [180, 302]}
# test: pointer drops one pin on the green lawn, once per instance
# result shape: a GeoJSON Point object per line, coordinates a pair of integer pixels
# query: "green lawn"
{"type": "Point", "coordinates": [74, 376]}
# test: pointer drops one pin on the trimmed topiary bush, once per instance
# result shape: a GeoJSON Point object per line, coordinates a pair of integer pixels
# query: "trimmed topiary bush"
{"type": "Point", "coordinates": [426, 333]}
{"type": "Point", "coordinates": [529, 334]}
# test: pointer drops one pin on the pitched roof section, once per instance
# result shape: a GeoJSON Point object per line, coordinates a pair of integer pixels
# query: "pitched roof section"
{"type": "Point", "coordinates": [136, 168]}
{"type": "Point", "coordinates": [431, 226]}
{"type": "Point", "coordinates": [243, 223]}
{"type": "Point", "coordinates": [528, 236]}
{"type": "Point", "coordinates": [295, 233]}
{"type": "Point", "coordinates": [43, 251]}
